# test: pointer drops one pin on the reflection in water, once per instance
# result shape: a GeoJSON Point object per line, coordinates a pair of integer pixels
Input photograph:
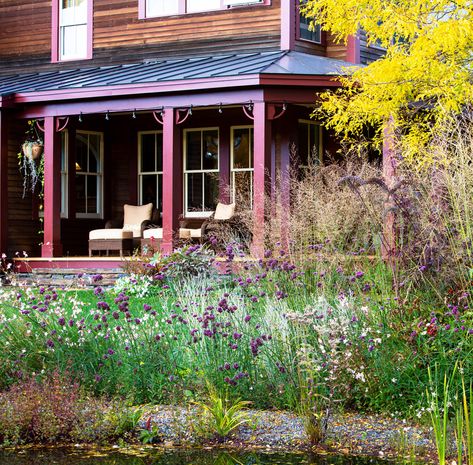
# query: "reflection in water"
{"type": "Point", "coordinates": [154, 457]}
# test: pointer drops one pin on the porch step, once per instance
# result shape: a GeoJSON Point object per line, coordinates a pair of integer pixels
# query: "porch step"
{"type": "Point", "coordinates": [70, 277]}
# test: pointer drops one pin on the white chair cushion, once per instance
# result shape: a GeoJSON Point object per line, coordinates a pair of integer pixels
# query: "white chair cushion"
{"type": "Point", "coordinates": [134, 216]}
{"type": "Point", "coordinates": [187, 233]}
{"type": "Point", "coordinates": [110, 233]}
{"type": "Point", "coordinates": [155, 233]}
{"type": "Point", "coordinates": [224, 212]}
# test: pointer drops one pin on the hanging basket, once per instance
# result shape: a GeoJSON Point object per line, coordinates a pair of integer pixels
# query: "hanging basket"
{"type": "Point", "coordinates": [32, 150]}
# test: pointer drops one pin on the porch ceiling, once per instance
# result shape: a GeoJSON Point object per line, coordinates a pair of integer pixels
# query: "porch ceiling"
{"type": "Point", "coordinates": [205, 72]}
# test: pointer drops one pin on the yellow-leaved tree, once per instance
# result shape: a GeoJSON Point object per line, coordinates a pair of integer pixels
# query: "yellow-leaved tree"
{"type": "Point", "coordinates": [424, 79]}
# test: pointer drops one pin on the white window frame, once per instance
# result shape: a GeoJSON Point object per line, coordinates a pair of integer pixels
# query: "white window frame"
{"type": "Point", "coordinates": [147, 173]}
{"type": "Point", "coordinates": [320, 147]}
{"type": "Point", "coordinates": [64, 23]}
{"type": "Point", "coordinates": [198, 214]}
{"type": "Point", "coordinates": [98, 174]}
{"type": "Point", "coordinates": [241, 170]}
{"type": "Point", "coordinates": [182, 7]}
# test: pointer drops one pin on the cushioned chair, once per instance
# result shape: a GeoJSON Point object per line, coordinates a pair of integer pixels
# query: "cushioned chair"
{"type": "Point", "coordinates": [151, 240]}
{"type": "Point", "coordinates": [124, 238]}
{"type": "Point", "coordinates": [188, 231]}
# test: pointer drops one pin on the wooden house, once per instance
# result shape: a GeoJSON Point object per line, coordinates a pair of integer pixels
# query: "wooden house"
{"type": "Point", "coordinates": [174, 102]}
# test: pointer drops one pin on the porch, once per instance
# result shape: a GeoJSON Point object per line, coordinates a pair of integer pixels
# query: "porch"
{"type": "Point", "coordinates": [182, 144]}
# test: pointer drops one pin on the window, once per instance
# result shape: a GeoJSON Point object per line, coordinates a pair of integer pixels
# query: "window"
{"type": "Point", "coordinates": [153, 8]}
{"type": "Point", "coordinates": [242, 166]}
{"type": "Point", "coordinates": [306, 32]}
{"type": "Point", "coordinates": [309, 143]}
{"type": "Point", "coordinates": [89, 183]}
{"type": "Point", "coordinates": [74, 38]}
{"type": "Point", "coordinates": [150, 168]}
{"type": "Point", "coordinates": [201, 171]}
{"type": "Point", "coordinates": [64, 173]}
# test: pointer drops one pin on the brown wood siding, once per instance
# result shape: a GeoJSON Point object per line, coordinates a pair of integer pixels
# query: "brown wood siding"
{"type": "Point", "coordinates": [368, 54]}
{"type": "Point", "coordinates": [22, 229]}
{"type": "Point", "coordinates": [335, 49]}
{"type": "Point", "coordinates": [25, 35]}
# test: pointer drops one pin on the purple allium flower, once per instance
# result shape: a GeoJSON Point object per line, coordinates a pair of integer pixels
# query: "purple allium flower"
{"type": "Point", "coordinates": [62, 321]}
{"type": "Point", "coordinates": [359, 274]}
{"type": "Point", "coordinates": [226, 366]}
{"type": "Point", "coordinates": [50, 343]}
{"type": "Point", "coordinates": [247, 318]}
{"type": "Point", "coordinates": [98, 290]}
{"type": "Point", "coordinates": [110, 351]}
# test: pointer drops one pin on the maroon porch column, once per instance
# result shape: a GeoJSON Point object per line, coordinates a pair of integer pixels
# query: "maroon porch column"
{"type": "Point", "coordinates": [172, 180]}
{"type": "Point", "coordinates": [224, 163]}
{"type": "Point", "coordinates": [288, 132]}
{"type": "Point", "coordinates": [52, 246]}
{"type": "Point", "coordinates": [262, 171]}
{"type": "Point", "coordinates": [3, 182]}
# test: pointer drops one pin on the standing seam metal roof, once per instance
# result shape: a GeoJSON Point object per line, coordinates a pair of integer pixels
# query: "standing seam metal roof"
{"type": "Point", "coordinates": [174, 69]}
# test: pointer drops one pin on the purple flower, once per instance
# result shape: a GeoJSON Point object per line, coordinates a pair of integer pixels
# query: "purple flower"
{"type": "Point", "coordinates": [50, 343]}
{"type": "Point", "coordinates": [62, 321]}
{"type": "Point", "coordinates": [247, 318]}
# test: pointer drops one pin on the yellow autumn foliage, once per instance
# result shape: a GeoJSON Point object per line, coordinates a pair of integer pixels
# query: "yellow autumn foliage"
{"type": "Point", "coordinates": [423, 80]}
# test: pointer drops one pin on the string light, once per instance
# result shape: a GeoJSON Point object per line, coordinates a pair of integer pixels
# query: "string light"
{"type": "Point", "coordinates": [190, 110]}
{"type": "Point", "coordinates": [220, 108]}
{"type": "Point", "coordinates": [80, 117]}
{"type": "Point", "coordinates": [107, 116]}
{"type": "Point", "coordinates": [134, 114]}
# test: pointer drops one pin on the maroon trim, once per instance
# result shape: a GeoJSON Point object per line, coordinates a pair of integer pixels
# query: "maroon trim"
{"type": "Point", "coordinates": [288, 22]}
{"type": "Point", "coordinates": [262, 170]}
{"type": "Point", "coordinates": [172, 180]}
{"type": "Point", "coordinates": [71, 173]}
{"type": "Point", "coordinates": [3, 182]}
{"type": "Point", "coordinates": [55, 31]}
{"type": "Point", "coordinates": [353, 50]}
{"type": "Point", "coordinates": [224, 162]}
{"type": "Point", "coordinates": [90, 29]}
{"type": "Point", "coordinates": [52, 246]}
{"type": "Point", "coordinates": [177, 86]}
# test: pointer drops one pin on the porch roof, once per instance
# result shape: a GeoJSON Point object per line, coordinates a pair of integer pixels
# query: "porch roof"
{"type": "Point", "coordinates": [165, 71]}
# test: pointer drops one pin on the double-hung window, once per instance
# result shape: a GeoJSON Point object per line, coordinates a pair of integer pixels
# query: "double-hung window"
{"type": "Point", "coordinates": [73, 29]}
{"type": "Point", "coordinates": [153, 8]}
{"type": "Point", "coordinates": [150, 168]}
{"type": "Point", "coordinates": [89, 174]}
{"type": "Point", "coordinates": [64, 173]}
{"type": "Point", "coordinates": [309, 143]}
{"type": "Point", "coordinates": [242, 165]}
{"type": "Point", "coordinates": [201, 171]}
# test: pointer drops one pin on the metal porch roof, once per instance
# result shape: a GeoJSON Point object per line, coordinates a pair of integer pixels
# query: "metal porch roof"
{"type": "Point", "coordinates": [204, 67]}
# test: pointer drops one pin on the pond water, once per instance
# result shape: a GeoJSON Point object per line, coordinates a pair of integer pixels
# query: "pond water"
{"type": "Point", "coordinates": [80, 456]}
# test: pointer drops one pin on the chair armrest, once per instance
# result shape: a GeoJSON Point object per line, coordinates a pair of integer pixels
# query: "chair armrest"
{"type": "Point", "coordinates": [114, 224]}
{"type": "Point", "coordinates": [148, 224]}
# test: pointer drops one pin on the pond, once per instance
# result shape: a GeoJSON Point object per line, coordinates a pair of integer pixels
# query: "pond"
{"type": "Point", "coordinates": [79, 456]}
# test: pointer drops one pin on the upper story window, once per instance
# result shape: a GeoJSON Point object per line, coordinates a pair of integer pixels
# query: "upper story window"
{"type": "Point", "coordinates": [306, 31]}
{"type": "Point", "coordinates": [154, 8]}
{"type": "Point", "coordinates": [72, 30]}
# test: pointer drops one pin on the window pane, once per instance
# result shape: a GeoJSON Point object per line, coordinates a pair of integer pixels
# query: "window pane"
{"type": "Point", "coordinates": [92, 190]}
{"type": "Point", "coordinates": [211, 191]}
{"type": "Point", "coordinates": [243, 188]}
{"type": "Point", "coordinates": [159, 202]}
{"type": "Point", "coordinates": [94, 153]}
{"type": "Point", "coordinates": [194, 192]}
{"type": "Point", "coordinates": [306, 32]}
{"type": "Point", "coordinates": [148, 156]}
{"type": "Point", "coordinates": [159, 152]}
{"type": "Point", "coordinates": [194, 150]}
{"type": "Point", "coordinates": [210, 155]}
{"type": "Point", "coordinates": [74, 41]}
{"type": "Point", "coordinates": [202, 5]}
{"type": "Point", "coordinates": [162, 7]}
{"type": "Point", "coordinates": [80, 194]}
{"type": "Point", "coordinates": [303, 144]}
{"type": "Point", "coordinates": [241, 148]}
{"type": "Point", "coordinates": [314, 142]}
{"type": "Point", "coordinates": [149, 189]}
{"type": "Point", "coordinates": [81, 152]}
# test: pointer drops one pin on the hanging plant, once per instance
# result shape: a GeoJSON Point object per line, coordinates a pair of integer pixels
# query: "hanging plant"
{"type": "Point", "coordinates": [31, 161]}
